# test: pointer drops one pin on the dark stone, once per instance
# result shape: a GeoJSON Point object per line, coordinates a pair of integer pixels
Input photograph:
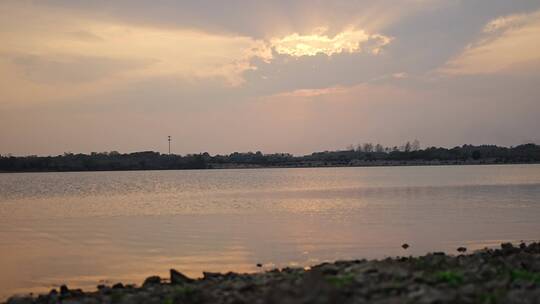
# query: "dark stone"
{"type": "Point", "coordinates": [231, 275]}
{"type": "Point", "coordinates": [177, 278]}
{"type": "Point", "coordinates": [20, 300]}
{"type": "Point", "coordinates": [211, 275]}
{"type": "Point", "coordinates": [76, 292]}
{"type": "Point", "coordinates": [371, 270]}
{"type": "Point", "coordinates": [118, 286]}
{"type": "Point", "coordinates": [259, 265]}
{"type": "Point", "coordinates": [50, 298]}
{"type": "Point", "coordinates": [508, 248]}
{"type": "Point", "coordinates": [462, 249]}
{"type": "Point", "coordinates": [405, 246]}
{"type": "Point", "coordinates": [64, 290]}
{"type": "Point", "coordinates": [153, 280]}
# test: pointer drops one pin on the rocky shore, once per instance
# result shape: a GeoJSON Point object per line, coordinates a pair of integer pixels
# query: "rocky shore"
{"type": "Point", "coordinates": [510, 274]}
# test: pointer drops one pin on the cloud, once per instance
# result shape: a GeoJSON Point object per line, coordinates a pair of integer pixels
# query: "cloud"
{"type": "Point", "coordinates": [510, 21]}
{"type": "Point", "coordinates": [72, 69]}
{"type": "Point", "coordinates": [61, 54]}
{"type": "Point", "coordinates": [64, 53]}
{"type": "Point", "coordinates": [171, 51]}
{"type": "Point", "coordinates": [347, 41]}
{"type": "Point", "coordinates": [312, 92]}
{"type": "Point", "coordinates": [507, 42]}
{"type": "Point", "coordinates": [400, 75]}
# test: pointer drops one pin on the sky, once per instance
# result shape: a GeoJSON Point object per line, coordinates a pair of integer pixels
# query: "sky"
{"type": "Point", "coordinates": [272, 76]}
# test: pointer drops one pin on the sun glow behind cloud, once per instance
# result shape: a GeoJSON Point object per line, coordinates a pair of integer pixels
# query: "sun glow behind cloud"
{"type": "Point", "coordinates": [63, 54]}
{"type": "Point", "coordinates": [347, 41]}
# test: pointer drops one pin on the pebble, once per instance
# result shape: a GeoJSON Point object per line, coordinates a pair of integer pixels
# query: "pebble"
{"type": "Point", "coordinates": [178, 278]}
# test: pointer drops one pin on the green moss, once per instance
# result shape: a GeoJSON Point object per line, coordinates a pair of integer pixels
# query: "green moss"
{"type": "Point", "coordinates": [184, 290]}
{"type": "Point", "coordinates": [450, 277]}
{"type": "Point", "coordinates": [340, 281]}
{"type": "Point", "coordinates": [168, 301]}
{"type": "Point", "coordinates": [525, 275]}
{"type": "Point", "coordinates": [117, 296]}
{"type": "Point", "coordinates": [185, 293]}
{"type": "Point", "coordinates": [489, 298]}
{"type": "Point", "coordinates": [494, 297]}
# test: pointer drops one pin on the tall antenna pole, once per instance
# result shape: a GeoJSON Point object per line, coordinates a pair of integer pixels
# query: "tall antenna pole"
{"type": "Point", "coordinates": [169, 145]}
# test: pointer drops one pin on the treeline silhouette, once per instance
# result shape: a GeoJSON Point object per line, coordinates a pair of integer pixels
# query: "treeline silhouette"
{"type": "Point", "coordinates": [362, 155]}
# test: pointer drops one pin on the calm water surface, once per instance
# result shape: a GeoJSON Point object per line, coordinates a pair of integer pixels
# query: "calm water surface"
{"type": "Point", "coordinates": [86, 228]}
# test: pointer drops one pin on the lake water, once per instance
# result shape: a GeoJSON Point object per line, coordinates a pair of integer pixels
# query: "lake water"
{"type": "Point", "coordinates": [103, 227]}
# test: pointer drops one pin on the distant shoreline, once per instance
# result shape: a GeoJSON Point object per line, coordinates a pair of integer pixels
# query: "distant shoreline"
{"type": "Point", "coordinates": [368, 155]}
{"type": "Point", "coordinates": [236, 167]}
{"type": "Point", "coordinates": [510, 274]}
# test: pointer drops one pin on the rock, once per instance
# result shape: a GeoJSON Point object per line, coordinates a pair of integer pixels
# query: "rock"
{"type": "Point", "coordinates": [118, 286]}
{"type": "Point", "coordinates": [405, 246]}
{"type": "Point", "coordinates": [369, 270]}
{"type": "Point", "coordinates": [104, 289]}
{"type": "Point", "coordinates": [177, 278]}
{"type": "Point", "coordinates": [211, 275]}
{"type": "Point", "coordinates": [20, 300]}
{"type": "Point", "coordinates": [49, 298]}
{"type": "Point", "coordinates": [462, 249]}
{"type": "Point", "coordinates": [508, 248]}
{"type": "Point", "coordinates": [64, 290]}
{"type": "Point", "coordinates": [259, 265]}
{"type": "Point", "coordinates": [468, 289]}
{"type": "Point", "coordinates": [76, 292]}
{"type": "Point", "coordinates": [428, 295]}
{"type": "Point", "coordinates": [328, 269]}
{"type": "Point", "coordinates": [153, 280]}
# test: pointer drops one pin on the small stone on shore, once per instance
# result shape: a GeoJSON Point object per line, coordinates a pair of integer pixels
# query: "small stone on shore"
{"type": "Point", "coordinates": [153, 280]}
{"type": "Point", "coordinates": [64, 290]}
{"type": "Point", "coordinates": [178, 278]}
